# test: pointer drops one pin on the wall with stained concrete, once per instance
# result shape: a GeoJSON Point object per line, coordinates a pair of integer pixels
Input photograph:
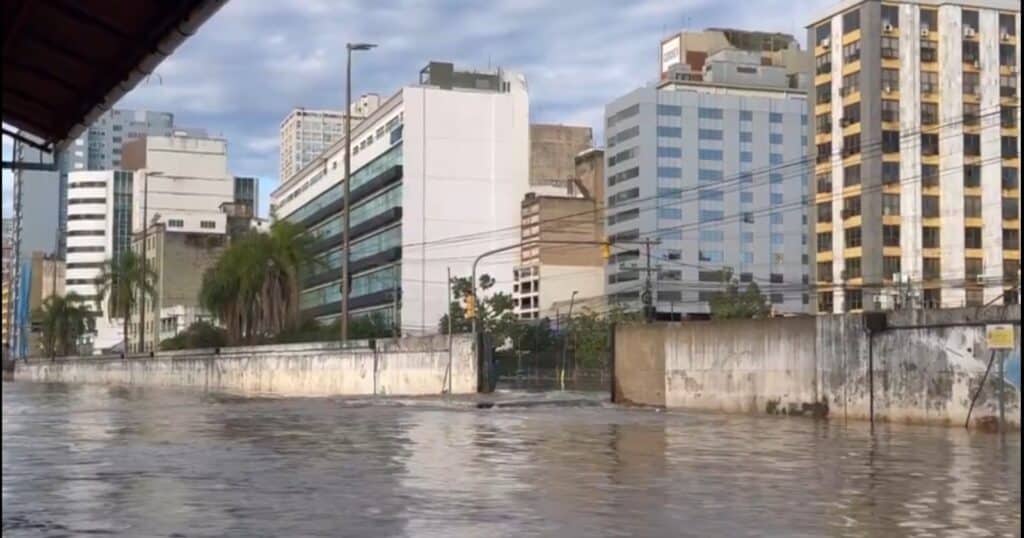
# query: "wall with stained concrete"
{"type": "Point", "coordinates": [927, 366]}
{"type": "Point", "coordinates": [405, 367]}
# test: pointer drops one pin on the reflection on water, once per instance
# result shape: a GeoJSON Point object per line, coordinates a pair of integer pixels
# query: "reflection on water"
{"type": "Point", "coordinates": [134, 462]}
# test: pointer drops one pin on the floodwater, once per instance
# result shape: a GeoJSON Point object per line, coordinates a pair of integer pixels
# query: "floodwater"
{"type": "Point", "coordinates": [90, 460]}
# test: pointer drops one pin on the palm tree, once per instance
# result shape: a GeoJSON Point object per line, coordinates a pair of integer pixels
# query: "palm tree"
{"type": "Point", "coordinates": [64, 320]}
{"type": "Point", "coordinates": [253, 289]}
{"type": "Point", "coordinates": [120, 282]}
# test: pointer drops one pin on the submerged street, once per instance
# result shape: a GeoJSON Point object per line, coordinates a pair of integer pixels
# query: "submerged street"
{"type": "Point", "coordinates": [147, 462]}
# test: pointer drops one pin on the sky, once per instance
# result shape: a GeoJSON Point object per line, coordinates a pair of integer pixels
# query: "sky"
{"type": "Point", "coordinates": [255, 60]}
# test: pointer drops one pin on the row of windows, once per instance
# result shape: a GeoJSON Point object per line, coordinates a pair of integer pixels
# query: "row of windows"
{"type": "Point", "coordinates": [361, 213]}
{"type": "Point", "coordinates": [386, 278]}
{"type": "Point", "coordinates": [360, 177]}
{"type": "Point", "coordinates": [364, 248]}
{"type": "Point", "coordinates": [930, 207]}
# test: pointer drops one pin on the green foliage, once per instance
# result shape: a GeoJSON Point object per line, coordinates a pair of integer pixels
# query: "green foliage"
{"type": "Point", "coordinates": [591, 334]}
{"type": "Point", "coordinates": [122, 280]}
{"type": "Point", "coordinates": [494, 312]}
{"type": "Point", "coordinates": [253, 289]}
{"type": "Point", "coordinates": [732, 304]}
{"type": "Point", "coordinates": [63, 321]}
{"type": "Point", "coordinates": [359, 328]}
{"type": "Point", "coordinates": [201, 334]}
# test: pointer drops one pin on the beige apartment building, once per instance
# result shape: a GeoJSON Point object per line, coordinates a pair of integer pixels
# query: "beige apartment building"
{"type": "Point", "coordinates": [916, 144]}
{"type": "Point", "coordinates": [306, 133]}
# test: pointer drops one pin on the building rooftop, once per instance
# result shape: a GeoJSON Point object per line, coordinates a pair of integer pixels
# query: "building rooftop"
{"type": "Point", "coordinates": [1001, 5]}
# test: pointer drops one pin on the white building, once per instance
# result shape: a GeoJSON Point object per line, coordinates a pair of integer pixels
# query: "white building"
{"type": "Point", "coordinates": [306, 133]}
{"type": "Point", "coordinates": [436, 168]}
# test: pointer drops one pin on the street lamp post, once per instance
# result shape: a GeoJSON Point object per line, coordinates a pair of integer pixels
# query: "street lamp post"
{"type": "Point", "coordinates": [349, 47]}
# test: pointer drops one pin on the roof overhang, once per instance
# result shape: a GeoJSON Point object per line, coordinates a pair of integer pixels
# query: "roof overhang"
{"type": "Point", "coordinates": [66, 62]}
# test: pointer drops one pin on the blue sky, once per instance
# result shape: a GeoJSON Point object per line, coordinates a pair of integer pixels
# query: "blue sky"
{"type": "Point", "coordinates": [257, 59]}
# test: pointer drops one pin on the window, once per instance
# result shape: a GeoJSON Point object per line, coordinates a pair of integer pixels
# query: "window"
{"type": "Point", "coordinates": [852, 266]}
{"type": "Point", "coordinates": [825, 301]}
{"type": "Point", "coordinates": [891, 235]}
{"type": "Point", "coordinates": [929, 113]}
{"type": "Point", "coordinates": [1011, 239]}
{"type": "Point", "coordinates": [852, 237]}
{"type": "Point", "coordinates": [668, 194]}
{"type": "Point", "coordinates": [929, 84]}
{"type": "Point", "coordinates": [670, 110]}
{"type": "Point", "coordinates": [851, 206]}
{"type": "Point", "coordinates": [715, 195]}
{"type": "Point", "coordinates": [929, 206]}
{"type": "Point", "coordinates": [890, 204]}
{"type": "Point", "coordinates": [670, 172]}
{"type": "Point", "coordinates": [625, 175]}
{"type": "Point", "coordinates": [670, 132]}
{"type": "Point", "coordinates": [623, 216]}
{"type": "Point", "coordinates": [1007, 116]}
{"type": "Point", "coordinates": [625, 155]}
{"type": "Point", "coordinates": [710, 154]}
{"type": "Point", "coordinates": [775, 198]}
{"type": "Point", "coordinates": [972, 268]}
{"type": "Point", "coordinates": [972, 114]}
{"type": "Point", "coordinates": [670, 213]}
{"type": "Point", "coordinates": [624, 196]}
{"type": "Point", "coordinates": [207, 224]}
{"type": "Point", "coordinates": [746, 197]}
{"type": "Point", "coordinates": [851, 114]}
{"type": "Point", "coordinates": [972, 145]}
{"type": "Point", "coordinates": [824, 181]}
{"type": "Point", "coordinates": [851, 21]}
{"type": "Point", "coordinates": [825, 212]}
{"type": "Point", "coordinates": [823, 93]}
{"type": "Point", "coordinates": [774, 158]}
{"type": "Point", "coordinates": [712, 236]}
{"type": "Point", "coordinates": [1010, 208]}
{"type": "Point", "coordinates": [930, 237]}
{"type": "Point", "coordinates": [709, 113]}
{"type": "Point", "coordinates": [929, 144]}
{"type": "Point", "coordinates": [972, 237]}
{"type": "Point", "coordinates": [929, 175]}
{"type": "Point", "coordinates": [851, 175]}
{"type": "Point", "coordinates": [1009, 144]}
{"type": "Point", "coordinates": [711, 215]}
{"type": "Point", "coordinates": [1007, 54]}
{"type": "Point", "coordinates": [890, 266]}
{"type": "Point", "coordinates": [932, 298]}
{"type": "Point", "coordinates": [929, 51]}
{"type": "Point", "coordinates": [890, 48]}
{"type": "Point", "coordinates": [1008, 85]}
{"type": "Point", "coordinates": [823, 123]}
{"type": "Point", "coordinates": [823, 64]}
{"type": "Point", "coordinates": [972, 206]}
{"type": "Point", "coordinates": [890, 141]}
{"type": "Point", "coordinates": [971, 83]}
{"type": "Point", "coordinates": [709, 134]}
{"type": "Point", "coordinates": [777, 218]}
{"type": "Point", "coordinates": [851, 53]}
{"type": "Point", "coordinates": [623, 114]}
{"type": "Point", "coordinates": [1007, 25]}
{"type": "Point", "coordinates": [969, 52]}
{"type": "Point", "coordinates": [670, 152]}
{"type": "Point", "coordinates": [890, 173]}
{"type": "Point", "coordinates": [824, 271]}
{"type": "Point", "coordinates": [1010, 178]}
{"type": "Point", "coordinates": [851, 145]}
{"type": "Point", "coordinates": [175, 223]}
{"type": "Point", "coordinates": [851, 84]}
{"type": "Point", "coordinates": [775, 117]}
{"type": "Point", "coordinates": [746, 136]}
{"type": "Point", "coordinates": [890, 80]}
{"type": "Point", "coordinates": [972, 175]}
{"type": "Point", "coordinates": [890, 110]}
{"type": "Point", "coordinates": [707, 175]}
{"type": "Point", "coordinates": [775, 138]}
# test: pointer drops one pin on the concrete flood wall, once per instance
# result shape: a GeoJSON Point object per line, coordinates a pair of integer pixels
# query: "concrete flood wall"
{"type": "Point", "coordinates": [927, 367]}
{"type": "Point", "coordinates": [401, 367]}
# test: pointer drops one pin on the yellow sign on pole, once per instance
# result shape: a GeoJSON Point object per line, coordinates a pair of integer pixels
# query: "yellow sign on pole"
{"type": "Point", "coordinates": [999, 336]}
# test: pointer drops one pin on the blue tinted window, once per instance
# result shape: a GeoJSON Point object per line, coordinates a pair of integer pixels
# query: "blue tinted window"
{"type": "Point", "coordinates": [748, 257]}
{"type": "Point", "coordinates": [776, 218]}
{"type": "Point", "coordinates": [776, 178]}
{"type": "Point", "coordinates": [803, 119]}
{"type": "Point", "coordinates": [746, 115]}
{"type": "Point", "coordinates": [746, 136]}
{"type": "Point", "coordinates": [670, 193]}
{"type": "Point", "coordinates": [710, 113]}
{"type": "Point", "coordinates": [710, 134]}
{"type": "Point", "coordinates": [775, 117]}
{"type": "Point", "coordinates": [746, 157]}
{"type": "Point", "coordinates": [803, 140]}
{"type": "Point", "coordinates": [670, 132]}
{"type": "Point", "coordinates": [670, 110]}
{"type": "Point", "coordinates": [775, 138]}
{"type": "Point", "coordinates": [673, 213]}
{"type": "Point", "coordinates": [670, 171]}
{"type": "Point", "coordinates": [746, 177]}
{"type": "Point", "coordinates": [664, 151]}
{"type": "Point", "coordinates": [778, 239]}
{"type": "Point", "coordinates": [776, 198]}
{"type": "Point", "coordinates": [710, 154]}
{"type": "Point", "coordinates": [711, 215]}
{"type": "Point", "coordinates": [703, 174]}
{"type": "Point", "coordinates": [747, 197]}
{"type": "Point", "coordinates": [748, 237]}
{"type": "Point", "coordinates": [714, 256]}
{"type": "Point", "coordinates": [711, 194]}
{"type": "Point", "coordinates": [712, 236]}
{"type": "Point", "coordinates": [670, 234]}
{"type": "Point", "coordinates": [775, 158]}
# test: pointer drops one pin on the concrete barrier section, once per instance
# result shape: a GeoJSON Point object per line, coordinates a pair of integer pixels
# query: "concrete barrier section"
{"type": "Point", "coordinates": [401, 367]}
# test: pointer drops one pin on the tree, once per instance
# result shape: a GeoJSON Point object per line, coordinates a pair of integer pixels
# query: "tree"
{"type": "Point", "coordinates": [63, 320]}
{"type": "Point", "coordinates": [731, 304]}
{"type": "Point", "coordinates": [254, 287]}
{"type": "Point", "coordinates": [494, 313]}
{"type": "Point", "coordinates": [201, 334]}
{"type": "Point", "coordinates": [121, 281]}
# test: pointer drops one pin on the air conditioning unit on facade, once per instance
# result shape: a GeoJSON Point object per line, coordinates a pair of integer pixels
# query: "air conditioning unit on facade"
{"type": "Point", "coordinates": [887, 27]}
{"type": "Point", "coordinates": [825, 43]}
{"type": "Point", "coordinates": [887, 88]}
{"type": "Point", "coordinates": [924, 32]}
{"type": "Point", "coordinates": [1005, 36]}
{"type": "Point", "coordinates": [969, 32]}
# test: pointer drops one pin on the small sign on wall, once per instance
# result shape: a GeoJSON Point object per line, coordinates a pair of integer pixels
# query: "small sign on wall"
{"type": "Point", "coordinates": [999, 336]}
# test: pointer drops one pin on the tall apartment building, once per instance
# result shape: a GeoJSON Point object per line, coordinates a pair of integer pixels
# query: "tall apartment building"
{"type": "Point", "coordinates": [549, 273]}
{"type": "Point", "coordinates": [713, 168]}
{"type": "Point", "coordinates": [916, 147]}
{"type": "Point", "coordinates": [437, 161]}
{"type": "Point", "coordinates": [306, 133]}
{"type": "Point", "coordinates": [8, 290]}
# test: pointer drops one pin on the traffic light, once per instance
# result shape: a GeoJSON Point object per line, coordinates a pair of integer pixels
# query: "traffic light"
{"type": "Point", "coordinates": [470, 306]}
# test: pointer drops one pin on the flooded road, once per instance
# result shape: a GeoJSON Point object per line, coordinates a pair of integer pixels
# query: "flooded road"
{"type": "Point", "coordinates": [147, 462]}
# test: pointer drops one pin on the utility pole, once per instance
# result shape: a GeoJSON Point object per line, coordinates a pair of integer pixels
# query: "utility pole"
{"type": "Point", "coordinates": [349, 47]}
{"type": "Point", "coordinates": [646, 297]}
{"type": "Point", "coordinates": [142, 276]}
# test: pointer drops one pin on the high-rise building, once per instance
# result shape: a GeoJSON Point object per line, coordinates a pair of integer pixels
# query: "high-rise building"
{"type": "Point", "coordinates": [712, 168]}
{"type": "Point", "coordinates": [8, 290]}
{"type": "Point", "coordinates": [917, 174]}
{"type": "Point", "coordinates": [306, 133]}
{"type": "Point", "coordinates": [437, 160]}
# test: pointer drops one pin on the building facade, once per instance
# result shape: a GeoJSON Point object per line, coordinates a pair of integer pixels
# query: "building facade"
{"type": "Point", "coordinates": [685, 54]}
{"type": "Point", "coordinates": [714, 173]}
{"type": "Point", "coordinates": [307, 133]}
{"type": "Point", "coordinates": [553, 149]}
{"type": "Point", "coordinates": [8, 288]}
{"type": "Point", "coordinates": [434, 164]}
{"type": "Point", "coordinates": [917, 174]}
